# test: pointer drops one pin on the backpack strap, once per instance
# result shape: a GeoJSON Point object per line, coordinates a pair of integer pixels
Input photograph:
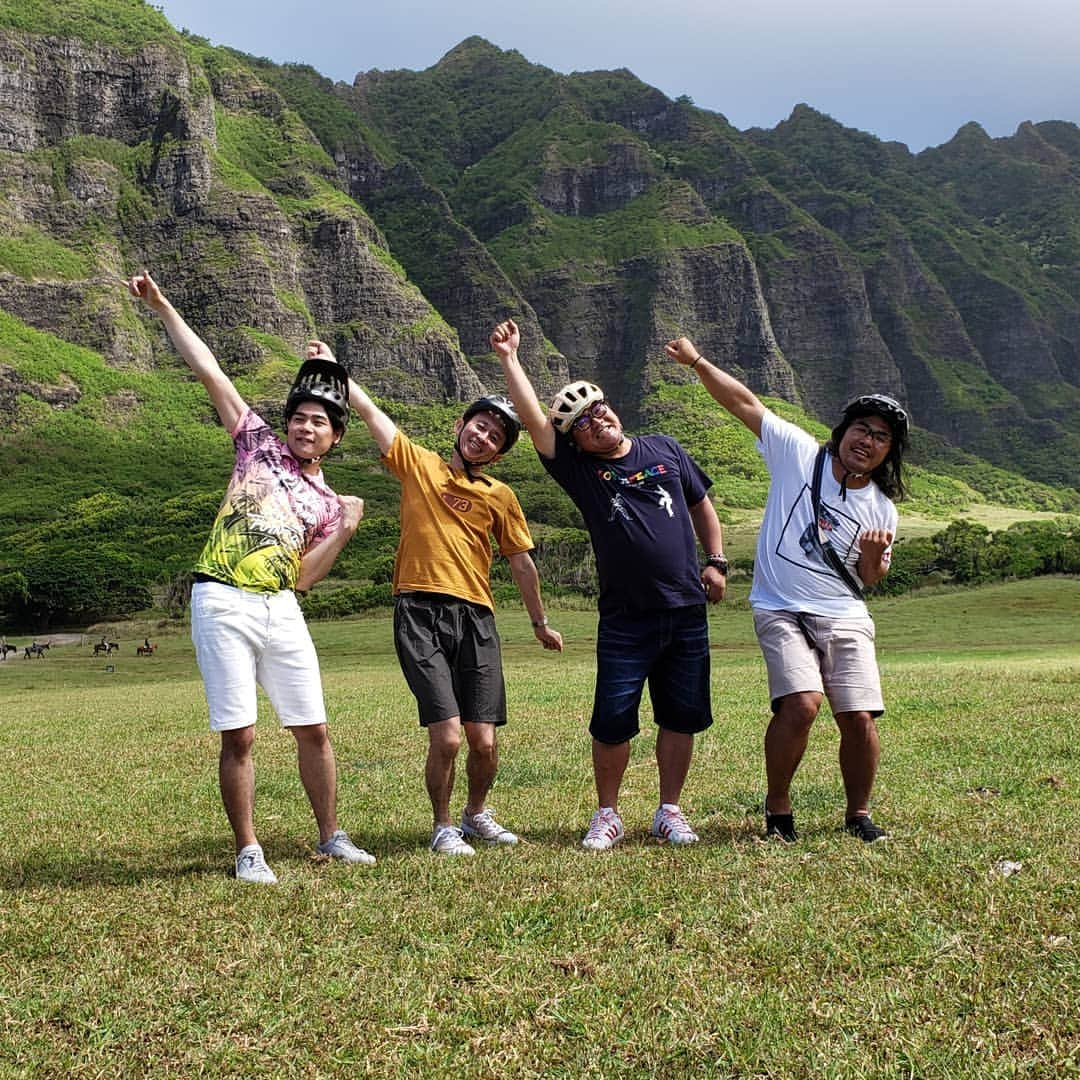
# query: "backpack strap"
{"type": "Point", "coordinates": [826, 548]}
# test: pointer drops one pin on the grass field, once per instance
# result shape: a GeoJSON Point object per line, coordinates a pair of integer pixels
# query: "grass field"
{"type": "Point", "coordinates": [127, 950]}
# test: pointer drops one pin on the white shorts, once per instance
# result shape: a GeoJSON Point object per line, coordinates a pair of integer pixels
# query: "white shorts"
{"type": "Point", "coordinates": [245, 638]}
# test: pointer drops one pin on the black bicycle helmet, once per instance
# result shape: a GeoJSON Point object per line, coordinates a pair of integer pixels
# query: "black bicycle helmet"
{"type": "Point", "coordinates": [503, 408]}
{"type": "Point", "coordinates": [326, 383]}
{"type": "Point", "coordinates": [882, 405]}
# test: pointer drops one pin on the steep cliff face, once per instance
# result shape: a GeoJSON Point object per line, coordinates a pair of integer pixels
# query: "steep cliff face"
{"type": "Point", "coordinates": [614, 330]}
{"type": "Point", "coordinates": [140, 158]}
{"type": "Point", "coordinates": [401, 216]}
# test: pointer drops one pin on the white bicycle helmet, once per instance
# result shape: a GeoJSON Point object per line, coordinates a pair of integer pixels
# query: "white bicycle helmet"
{"type": "Point", "coordinates": [570, 402]}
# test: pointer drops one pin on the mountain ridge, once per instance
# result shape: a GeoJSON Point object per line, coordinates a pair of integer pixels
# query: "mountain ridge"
{"type": "Point", "coordinates": [275, 205]}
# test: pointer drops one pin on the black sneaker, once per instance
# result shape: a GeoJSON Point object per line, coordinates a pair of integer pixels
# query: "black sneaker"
{"type": "Point", "coordinates": [862, 827]}
{"type": "Point", "coordinates": [781, 825]}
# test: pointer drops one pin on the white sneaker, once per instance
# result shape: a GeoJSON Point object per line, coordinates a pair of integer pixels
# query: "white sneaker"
{"type": "Point", "coordinates": [339, 846]}
{"type": "Point", "coordinates": [669, 824]}
{"type": "Point", "coordinates": [251, 866]}
{"type": "Point", "coordinates": [486, 827]}
{"type": "Point", "coordinates": [605, 831]}
{"type": "Point", "coordinates": [448, 840]}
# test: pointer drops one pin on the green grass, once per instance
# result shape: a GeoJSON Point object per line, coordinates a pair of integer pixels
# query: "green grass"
{"type": "Point", "coordinates": [126, 950]}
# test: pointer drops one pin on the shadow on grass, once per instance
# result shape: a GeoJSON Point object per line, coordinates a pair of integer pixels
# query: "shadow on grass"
{"type": "Point", "coordinates": [734, 822]}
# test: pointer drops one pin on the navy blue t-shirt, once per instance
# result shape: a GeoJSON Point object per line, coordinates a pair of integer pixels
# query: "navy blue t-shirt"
{"type": "Point", "coordinates": [636, 509]}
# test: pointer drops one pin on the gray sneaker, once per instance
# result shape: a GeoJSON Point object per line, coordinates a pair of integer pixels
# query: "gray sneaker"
{"type": "Point", "coordinates": [251, 866]}
{"type": "Point", "coordinates": [339, 846]}
{"type": "Point", "coordinates": [486, 827]}
{"type": "Point", "coordinates": [448, 840]}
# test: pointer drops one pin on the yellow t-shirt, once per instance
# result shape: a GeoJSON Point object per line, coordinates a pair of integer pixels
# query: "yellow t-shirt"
{"type": "Point", "coordinates": [446, 522]}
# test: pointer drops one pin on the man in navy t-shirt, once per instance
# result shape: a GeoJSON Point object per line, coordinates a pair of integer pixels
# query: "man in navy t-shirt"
{"type": "Point", "coordinates": [645, 504]}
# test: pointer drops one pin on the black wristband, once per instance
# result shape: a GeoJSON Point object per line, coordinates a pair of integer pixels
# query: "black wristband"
{"type": "Point", "coordinates": [719, 561]}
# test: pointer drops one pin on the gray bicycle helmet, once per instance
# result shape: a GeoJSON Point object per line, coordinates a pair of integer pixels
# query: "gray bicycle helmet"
{"type": "Point", "coordinates": [888, 408]}
{"type": "Point", "coordinates": [503, 408]}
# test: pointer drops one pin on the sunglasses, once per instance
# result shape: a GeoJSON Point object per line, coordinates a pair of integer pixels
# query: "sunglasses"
{"type": "Point", "coordinates": [588, 415]}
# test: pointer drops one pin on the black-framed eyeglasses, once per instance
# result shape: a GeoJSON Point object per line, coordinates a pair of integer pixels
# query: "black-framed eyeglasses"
{"type": "Point", "coordinates": [589, 414]}
{"type": "Point", "coordinates": [881, 438]}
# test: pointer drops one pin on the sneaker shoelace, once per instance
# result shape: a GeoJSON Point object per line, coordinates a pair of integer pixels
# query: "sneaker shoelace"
{"type": "Point", "coordinates": [254, 860]}
{"type": "Point", "coordinates": [673, 821]}
{"type": "Point", "coordinates": [603, 826]}
{"type": "Point", "coordinates": [485, 821]}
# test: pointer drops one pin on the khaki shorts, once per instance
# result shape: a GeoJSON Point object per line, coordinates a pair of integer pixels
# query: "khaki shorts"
{"type": "Point", "coordinates": [817, 654]}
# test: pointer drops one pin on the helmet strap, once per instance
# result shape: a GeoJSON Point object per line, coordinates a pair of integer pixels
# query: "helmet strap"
{"type": "Point", "coordinates": [468, 465]}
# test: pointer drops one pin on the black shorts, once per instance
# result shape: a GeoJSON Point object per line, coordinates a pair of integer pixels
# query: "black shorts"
{"type": "Point", "coordinates": [450, 656]}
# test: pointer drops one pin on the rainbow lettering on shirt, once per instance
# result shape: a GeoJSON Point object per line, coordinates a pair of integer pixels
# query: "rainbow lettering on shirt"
{"type": "Point", "coordinates": [635, 480]}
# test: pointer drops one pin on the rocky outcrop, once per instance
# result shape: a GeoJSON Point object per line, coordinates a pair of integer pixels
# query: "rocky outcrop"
{"type": "Point", "coordinates": [12, 384]}
{"type": "Point", "coordinates": [586, 188]}
{"type": "Point", "coordinates": [455, 272]}
{"type": "Point", "coordinates": [232, 258]}
{"type": "Point", "coordinates": [821, 316]}
{"type": "Point", "coordinates": [614, 331]}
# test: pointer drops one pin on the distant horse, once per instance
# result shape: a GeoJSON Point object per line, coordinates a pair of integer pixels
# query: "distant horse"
{"type": "Point", "coordinates": [35, 650]}
{"type": "Point", "coordinates": [106, 647]}
{"type": "Point", "coordinates": [6, 648]}
{"type": "Point", "coordinates": [145, 650]}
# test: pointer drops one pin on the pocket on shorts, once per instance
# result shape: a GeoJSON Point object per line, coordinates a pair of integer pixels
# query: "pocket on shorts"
{"type": "Point", "coordinates": [210, 602]}
{"type": "Point", "coordinates": [483, 624]}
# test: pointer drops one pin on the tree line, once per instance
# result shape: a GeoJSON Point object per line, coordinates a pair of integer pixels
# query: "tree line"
{"type": "Point", "coordinates": [61, 584]}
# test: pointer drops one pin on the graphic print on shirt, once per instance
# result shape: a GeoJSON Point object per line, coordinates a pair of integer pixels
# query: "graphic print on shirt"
{"type": "Point", "coordinates": [798, 543]}
{"type": "Point", "coordinates": [638, 482]}
{"type": "Point", "coordinates": [271, 514]}
{"type": "Point", "coordinates": [618, 508]}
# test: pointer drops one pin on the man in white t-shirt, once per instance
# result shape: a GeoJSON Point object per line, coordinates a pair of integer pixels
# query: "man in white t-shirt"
{"type": "Point", "coordinates": [826, 535]}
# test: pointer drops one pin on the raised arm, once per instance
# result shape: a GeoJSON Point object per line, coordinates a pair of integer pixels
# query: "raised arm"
{"type": "Point", "coordinates": [526, 578]}
{"type": "Point", "coordinates": [739, 400]}
{"type": "Point", "coordinates": [383, 429]}
{"type": "Point", "coordinates": [505, 339]}
{"type": "Point", "coordinates": [197, 355]}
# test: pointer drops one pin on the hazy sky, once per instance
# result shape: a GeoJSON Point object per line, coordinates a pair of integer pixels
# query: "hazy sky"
{"type": "Point", "coordinates": [909, 70]}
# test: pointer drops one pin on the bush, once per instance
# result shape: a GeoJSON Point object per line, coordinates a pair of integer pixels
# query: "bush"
{"type": "Point", "coordinates": [346, 601]}
{"type": "Point", "coordinates": [76, 586]}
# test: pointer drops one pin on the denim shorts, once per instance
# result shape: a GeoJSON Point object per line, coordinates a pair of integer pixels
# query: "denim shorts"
{"type": "Point", "coordinates": [670, 650]}
{"type": "Point", "coordinates": [246, 638]}
{"type": "Point", "coordinates": [451, 658]}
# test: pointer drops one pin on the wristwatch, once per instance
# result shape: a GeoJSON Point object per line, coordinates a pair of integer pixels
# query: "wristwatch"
{"type": "Point", "coordinates": [543, 622]}
{"type": "Point", "coordinates": [719, 561]}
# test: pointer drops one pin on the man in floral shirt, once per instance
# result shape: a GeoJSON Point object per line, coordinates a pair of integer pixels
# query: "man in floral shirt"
{"type": "Point", "coordinates": [279, 529]}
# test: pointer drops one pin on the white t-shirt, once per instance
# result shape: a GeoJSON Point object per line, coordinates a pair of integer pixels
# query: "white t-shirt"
{"type": "Point", "coordinates": [790, 573]}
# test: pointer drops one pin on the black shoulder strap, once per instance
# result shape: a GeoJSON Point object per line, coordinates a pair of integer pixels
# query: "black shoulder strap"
{"type": "Point", "coordinates": [831, 557]}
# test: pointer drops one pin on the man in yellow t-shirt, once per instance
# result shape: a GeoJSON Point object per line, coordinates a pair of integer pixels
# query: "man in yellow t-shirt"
{"type": "Point", "coordinates": [444, 621]}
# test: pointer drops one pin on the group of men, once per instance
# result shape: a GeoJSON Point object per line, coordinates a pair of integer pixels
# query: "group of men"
{"type": "Point", "coordinates": [827, 533]}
